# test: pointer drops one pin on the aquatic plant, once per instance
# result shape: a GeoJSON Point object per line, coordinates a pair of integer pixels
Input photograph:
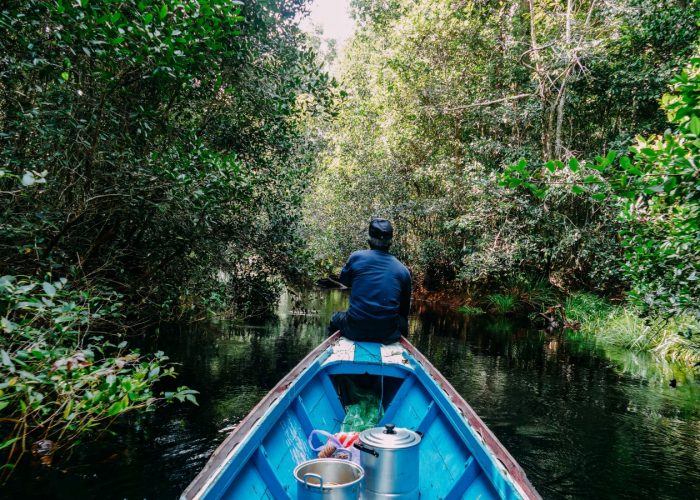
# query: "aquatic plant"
{"type": "Point", "coordinates": [582, 306]}
{"type": "Point", "coordinates": [500, 325]}
{"type": "Point", "coordinates": [673, 338]}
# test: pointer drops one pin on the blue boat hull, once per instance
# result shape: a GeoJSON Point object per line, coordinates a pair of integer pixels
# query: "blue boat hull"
{"type": "Point", "coordinates": [459, 456]}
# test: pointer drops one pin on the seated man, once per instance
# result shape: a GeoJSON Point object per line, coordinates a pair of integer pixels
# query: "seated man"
{"type": "Point", "coordinates": [380, 294]}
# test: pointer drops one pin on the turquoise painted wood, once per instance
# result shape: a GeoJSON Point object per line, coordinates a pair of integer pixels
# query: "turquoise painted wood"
{"type": "Point", "coordinates": [459, 456]}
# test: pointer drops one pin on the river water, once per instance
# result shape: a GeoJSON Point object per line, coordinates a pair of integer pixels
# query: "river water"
{"type": "Point", "coordinates": [582, 422]}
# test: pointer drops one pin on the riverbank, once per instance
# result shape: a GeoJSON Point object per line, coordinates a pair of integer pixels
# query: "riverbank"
{"type": "Point", "coordinates": [675, 339]}
{"type": "Point", "coordinates": [620, 325]}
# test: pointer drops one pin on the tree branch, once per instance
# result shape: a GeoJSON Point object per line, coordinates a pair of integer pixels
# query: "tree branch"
{"type": "Point", "coordinates": [485, 103]}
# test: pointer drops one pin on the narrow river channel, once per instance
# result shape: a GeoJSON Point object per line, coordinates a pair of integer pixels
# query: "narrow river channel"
{"type": "Point", "coordinates": [582, 424]}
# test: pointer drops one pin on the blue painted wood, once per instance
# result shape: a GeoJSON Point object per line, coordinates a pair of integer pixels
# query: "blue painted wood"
{"type": "Point", "coordinates": [481, 488]}
{"type": "Point", "coordinates": [247, 447]}
{"type": "Point", "coordinates": [249, 484]}
{"type": "Point", "coordinates": [303, 415]}
{"type": "Point", "coordinates": [398, 400]}
{"type": "Point", "coordinates": [368, 352]}
{"type": "Point", "coordinates": [333, 398]}
{"type": "Point", "coordinates": [471, 470]}
{"type": "Point", "coordinates": [488, 463]}
{"type": "Point", "coordinates": [347, 368]}
{"type": "Point", "coordinates": [442, 457]}
{"type": "Point", "coordinates": [453, 461]}
{"type": "Point", "coordinates": [287, 446]}
{"type": "Point", "coordinates": [413, 408]}
{"type": "Point", "coordinates": [428, 418]}
{"type": "Point", "coordinates": [322, 405]}
{"type": "Point", "coordinates": [274, 486]}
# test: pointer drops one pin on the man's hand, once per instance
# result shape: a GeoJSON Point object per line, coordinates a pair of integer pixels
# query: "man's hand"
{"type": "Point", "coordinates": [331, 282]}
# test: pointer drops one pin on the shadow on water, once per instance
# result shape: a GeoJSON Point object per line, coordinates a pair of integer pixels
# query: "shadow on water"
{"type": "Point", "coordinates": [580, 424]}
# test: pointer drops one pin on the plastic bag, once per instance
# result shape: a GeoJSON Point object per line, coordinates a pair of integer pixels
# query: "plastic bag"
{"type": "Point", "coordinates": [336, 446]}
{"type": "Point", "coordinates": [362, 415]}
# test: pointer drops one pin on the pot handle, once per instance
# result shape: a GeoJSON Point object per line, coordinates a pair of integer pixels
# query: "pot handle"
{"type": "Point", "coordinates": [315, 476]}
{"type": "Point", "coordinates": [366, 449]}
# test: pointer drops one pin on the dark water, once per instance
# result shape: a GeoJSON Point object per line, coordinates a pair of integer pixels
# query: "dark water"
{"type": "Point", "coordinates": [581, 422]}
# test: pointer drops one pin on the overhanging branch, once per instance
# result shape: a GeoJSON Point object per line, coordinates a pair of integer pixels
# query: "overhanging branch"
{"type": "Point", "coordinates": [484, 103]}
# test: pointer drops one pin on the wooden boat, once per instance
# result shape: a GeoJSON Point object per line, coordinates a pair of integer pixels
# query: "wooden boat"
{"type": "Point", "coordinates": [459, 456]}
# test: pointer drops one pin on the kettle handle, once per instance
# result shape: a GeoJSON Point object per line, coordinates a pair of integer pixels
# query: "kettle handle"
{"type": "Point", "coordinates": [366, 449]}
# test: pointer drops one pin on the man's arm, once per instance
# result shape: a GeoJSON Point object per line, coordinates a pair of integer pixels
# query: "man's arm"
{"type": "Point", "coordinates": [405, 299]}
{"type": "Point", "coordinates": [346, 274]}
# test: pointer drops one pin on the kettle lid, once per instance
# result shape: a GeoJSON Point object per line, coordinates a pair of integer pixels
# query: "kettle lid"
{"type": "Point", "coordinates": [390, 437]}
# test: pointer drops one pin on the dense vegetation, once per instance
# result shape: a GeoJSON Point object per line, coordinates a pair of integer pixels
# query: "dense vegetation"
{"type": "Point", "coordinates": [153, 156]}
{"type": "Point", "coordinates": [435, 113]}
{"type": "Point", "coordinates": [490, 133]}
{"type": "Point", "coordinates": [170, 159]}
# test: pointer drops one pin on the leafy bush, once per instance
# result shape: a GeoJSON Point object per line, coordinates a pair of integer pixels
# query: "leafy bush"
{"type": "Point", "coordinates": [657, 190]}
{"type": "Point", "coordinates": [59, 375]}
{"type": "Point", "coordinates": [156, 153]}
{"type": "Point", "coordinates": [170, 137]}
{"type": "Point", "coordinates": [661, 185]}
{"type": "Point", "coordinates": [425, 147]}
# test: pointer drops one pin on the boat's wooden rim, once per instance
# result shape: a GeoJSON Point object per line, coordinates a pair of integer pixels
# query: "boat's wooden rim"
{"type": "Point", "coordinates": [490, 440]}
{"type": "Point", "coordinates": [219, 457]}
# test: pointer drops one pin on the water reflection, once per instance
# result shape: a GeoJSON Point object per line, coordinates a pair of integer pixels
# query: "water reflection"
{"type": "Point", "coordinates": [582, 423]}
{"type": "Point", "coordinates": [578, 426]}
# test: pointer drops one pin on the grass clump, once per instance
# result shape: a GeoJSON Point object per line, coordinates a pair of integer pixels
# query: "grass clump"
{"type": "Point", "coordinates": [675, 339]}
{"type": "Point", "coordinates": [502, 303]}
{"type": "Point", "coordinates": [468, 310]}
{"type": "Point", "coordinates": [536, 294]}
{"type": "Point", "coordinates": [585, 307]}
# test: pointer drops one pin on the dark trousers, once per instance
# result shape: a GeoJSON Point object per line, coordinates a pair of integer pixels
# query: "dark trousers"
{"type": "Point", "coordinates": [386, 331]}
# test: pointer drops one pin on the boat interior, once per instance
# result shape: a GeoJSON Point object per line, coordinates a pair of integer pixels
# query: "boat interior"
{"type": "Point", "coordinates": [454, 462]}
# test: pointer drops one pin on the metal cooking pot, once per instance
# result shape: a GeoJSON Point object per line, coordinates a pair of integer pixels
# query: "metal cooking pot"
{"type": "Point", "coordinates": [328, 479]}
{"type": "Point", "coordinates": [390, 460]}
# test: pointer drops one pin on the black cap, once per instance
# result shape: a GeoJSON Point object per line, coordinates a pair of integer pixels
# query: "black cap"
{"type": "Point", "coordinates": [381, 231]}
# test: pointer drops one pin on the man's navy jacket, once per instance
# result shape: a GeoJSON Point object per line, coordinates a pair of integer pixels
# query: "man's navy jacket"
{"type": "Point", "coordinates": [380, 286]}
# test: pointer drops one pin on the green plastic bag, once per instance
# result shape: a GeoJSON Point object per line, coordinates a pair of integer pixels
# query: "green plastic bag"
{"type": "Point", "coordinates": [363, 415]}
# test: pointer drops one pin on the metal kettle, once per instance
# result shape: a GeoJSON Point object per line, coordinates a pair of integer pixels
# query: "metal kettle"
{"type": "Point", "coordinates": [391, 462]}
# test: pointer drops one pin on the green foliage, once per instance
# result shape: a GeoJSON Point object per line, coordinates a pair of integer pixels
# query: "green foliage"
{"type": "Point", "coordinates": [469, 310]}
{"type": "Point", "coordinates": [171, 138]}
{"type": "Point", "coordinates": [585, 307]}
{"type": "Point", "coordinates": [502, 303]}
{"type": "Point", "coordinates": [434, 112]}
{"type": "Point", "coordinates": [535, 293]}
{"type": "Point", "coordinates": [673, 339]}
{"type": "Point", "coordinates": [618, 98]}
{"type": "Point", "coordinates": [59, 375]}
{"type": "Point", "coordinates": [657, 190]}
{"type": "Point", "coordinates": [156, 153]}
{"type": "Point", "coordinates": [663, 192]}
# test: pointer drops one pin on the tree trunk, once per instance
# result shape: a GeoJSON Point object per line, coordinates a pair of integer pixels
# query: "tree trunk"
{"type": "Point", "coordinates": [558, 146]}
{"type": "Point", "coordinates": [541, 84]}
